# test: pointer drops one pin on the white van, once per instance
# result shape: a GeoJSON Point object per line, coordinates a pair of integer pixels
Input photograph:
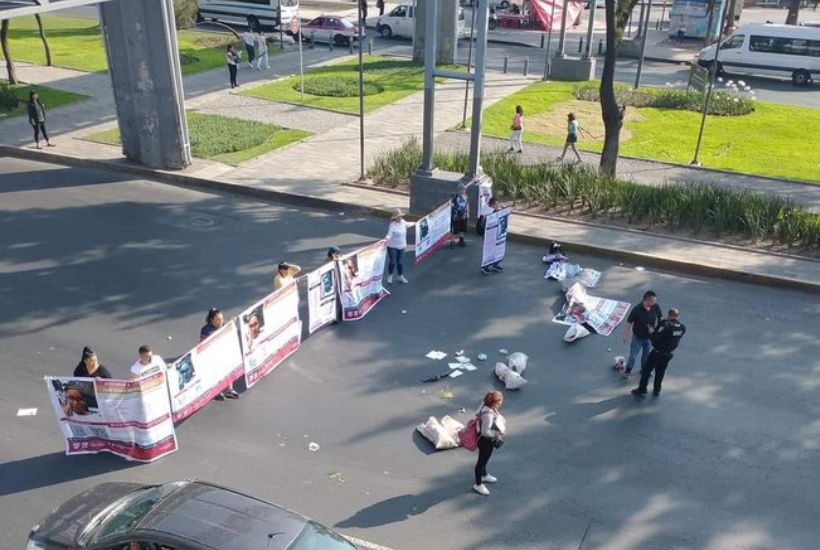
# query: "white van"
{"type": "Point", "coordinates": [768, 50]}
{"type": "Point", "coordinates": [270, 13]}
{"type": "Point", "coordinates": [401, 20]}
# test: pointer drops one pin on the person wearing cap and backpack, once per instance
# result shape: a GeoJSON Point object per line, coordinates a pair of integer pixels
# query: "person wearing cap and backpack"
{"type": "Point", "coordinates": [285, 274]}
{"type": "Point", "coordinates": [460, 211]}
{"type": "Point", "coordinates": [396, 245]}
{"type": "Point", "coordinates": [665, 340]}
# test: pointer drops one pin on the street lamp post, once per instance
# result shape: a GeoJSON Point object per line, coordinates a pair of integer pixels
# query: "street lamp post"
{"type": "Point", "coordinates": [469, 68]}
{"type": "Point", "coordinates": [549, 42]}
{"type": "Point", "coordinates": [643, 42]}
{"type": "Point", "coordinates": [361, 96]}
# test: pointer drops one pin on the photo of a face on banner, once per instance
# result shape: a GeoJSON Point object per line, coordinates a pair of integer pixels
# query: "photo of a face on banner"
{"type": "Point", "coordinates": [254, 325]}
{"type": "Point", "coordinates": [327, 285]}
{"type": "Point", "coordinates": [76, 397]}
{"type": "Point", "coordinates": [350, 276]}
{"type": "Point", "coordinates": [185, 371]}
{"type": "Point", "coordinates": [503, 223]}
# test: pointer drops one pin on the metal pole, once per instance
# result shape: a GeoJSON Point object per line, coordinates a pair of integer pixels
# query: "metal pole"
{"type": "Point", "coordinates": [663, 13]}
{"type": "Point", "coordinates": [643, 44]}
{"type": "Point", "coordinates": [640, 19]}
{"type": "Point", "coordinates": [469, 68]}
{"type": "Point", "coordinates": [708, 98]}
{"type": "Point", "coordinates": [590, 29]}
{"type": "Point", "coordinates": [563, 35]}
{"type": "Point", "coordinates": [361, 94]}
{"type": "Point", "coordinates": [526, 65]}
{"type": "Point", "coordinates": [301, 60]}
{"type": "Point", "coordinates": [549, 42]}
{"type": "Point", "coordinates": [478, 89]}
{"type": "Point", "coordinates": [429, 86]}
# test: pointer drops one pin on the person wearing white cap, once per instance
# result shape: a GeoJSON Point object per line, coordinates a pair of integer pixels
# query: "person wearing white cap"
{"type": "Point", "coordinates": [396, 245]}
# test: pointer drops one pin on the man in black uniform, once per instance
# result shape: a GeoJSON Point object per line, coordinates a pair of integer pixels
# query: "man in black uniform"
{"type": "Point", "coordinates": [664, 341]}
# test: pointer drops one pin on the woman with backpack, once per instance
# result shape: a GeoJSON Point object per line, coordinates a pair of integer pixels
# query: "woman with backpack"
{"type": "Point", "coordinates": [491, 427]}
{"type": "Point", "coordinates": [460, 211]}
{"type": "Point", "coordinates": [37, 118]}
{"type": "Point", "coordinates": [573, 128]}
{"type": "Point", "coordinates": [517, 127]}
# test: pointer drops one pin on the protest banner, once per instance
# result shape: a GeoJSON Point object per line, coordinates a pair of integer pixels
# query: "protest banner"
{"type": "Point", "coordinates": [602, 314]}
{"type": "Point", "coordinates": [129, 418]}
{"type": "Point", "coordinates": [561, 271]}
{"type": "Point", "coordinates": [202, 373]}
{"type": "Point", "coordinates": [495, 237]}
{"type": "Point", "coordinates": [360, 277]}
{"type": "Point", "coordinates": [322, 296]}
{"type": "Point", "coordinates": [271, 331]}
{"type": "Point", "coordinates": [432, 231]}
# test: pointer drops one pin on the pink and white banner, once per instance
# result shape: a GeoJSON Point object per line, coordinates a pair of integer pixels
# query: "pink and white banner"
{"type": "Point", "coordinates": [549, 13]}
{"type": "Point", "coordinates": [360, 276]}
{"type": "Point", "coordinates": [432, 231]}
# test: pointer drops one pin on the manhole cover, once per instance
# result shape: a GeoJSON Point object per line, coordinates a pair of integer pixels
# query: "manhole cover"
{"type": "Point", "coordinates": [201, 222]}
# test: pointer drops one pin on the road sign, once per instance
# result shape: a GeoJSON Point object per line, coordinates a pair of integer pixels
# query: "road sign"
{"type": "Point", "coordinates": [295, 24]}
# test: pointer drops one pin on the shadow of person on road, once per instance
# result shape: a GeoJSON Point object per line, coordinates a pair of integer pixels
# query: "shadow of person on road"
{"type": "Point", "coordinates": [399, 508]}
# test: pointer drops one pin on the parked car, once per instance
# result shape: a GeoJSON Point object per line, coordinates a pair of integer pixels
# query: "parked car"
{"type": "Point", "coordinates": [401, 22]}
{"type": "Point", "coordinates": [330, 27]}
{"type": "Point", "coordinates": [180, 515]}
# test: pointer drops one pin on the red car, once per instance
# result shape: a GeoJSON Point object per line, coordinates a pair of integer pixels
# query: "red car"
{"type": "Point", "coordinates": [341, 30]}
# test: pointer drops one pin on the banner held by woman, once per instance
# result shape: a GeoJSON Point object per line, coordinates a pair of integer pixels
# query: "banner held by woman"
{"type": "Point", "coordinates": [360, 277]}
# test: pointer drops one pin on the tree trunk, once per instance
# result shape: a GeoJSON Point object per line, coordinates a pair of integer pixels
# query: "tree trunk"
{"type": "Point", "coordinates": [610, 112]}
{"type": "Point", "coordinates": [46, 47]}
{"type": "Point", "coordinates": [794, 11]}
{"type": "Point", "coordinates": [710, 6]}
{"type": "Point", "coordinates": [4, 43]}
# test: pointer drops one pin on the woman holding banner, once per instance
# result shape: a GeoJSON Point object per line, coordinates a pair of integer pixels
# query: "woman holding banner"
{"type": "Point", "coordinates": [213, 322]}
{"type": "Point", "coordinates": [396, 245]}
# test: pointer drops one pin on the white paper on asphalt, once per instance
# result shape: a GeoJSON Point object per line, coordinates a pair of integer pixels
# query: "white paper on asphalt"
{"type": "Point", "coordinates": [432, 231]}
{"type": "Point", "coordinates": [495, 237]}
{"type": "Point", "coordinates": [601, 314]}
{"type": "Point", "coordinates": [322, 296]}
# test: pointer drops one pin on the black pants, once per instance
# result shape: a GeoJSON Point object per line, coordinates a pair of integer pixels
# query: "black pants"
{"type": "Point", "coordinates": [658, 362]}
{"type": "Point", "coordinates": [485, 451]}
{"type": "Point", "coordinates": [232, 73]}
{"type": "Point", "coordinates": [40, 127]}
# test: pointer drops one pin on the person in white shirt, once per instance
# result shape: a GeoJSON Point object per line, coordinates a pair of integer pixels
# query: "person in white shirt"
{"type": "Point", "coordinates": [396, 245]}
{"type": "Point", "coordinates": [249, 38]}
{"type": "Point", "coordinates": [262, 48]}
{"type": "Point", "coordinates": [148, 363]}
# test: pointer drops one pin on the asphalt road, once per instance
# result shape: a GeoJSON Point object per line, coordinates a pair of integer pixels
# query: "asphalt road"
{"type": "Point", "coordinates": [726, 458]}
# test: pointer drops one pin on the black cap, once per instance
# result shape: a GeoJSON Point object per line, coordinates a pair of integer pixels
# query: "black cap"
{"type": "Point", "coordinates": [334, 250]}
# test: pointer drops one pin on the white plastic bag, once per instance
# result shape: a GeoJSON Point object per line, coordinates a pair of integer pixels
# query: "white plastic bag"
{"type": "Point", "coordinates": [575, 332]}
{"type": "Point", "coordinates": [517, 361]}
{"type": "Point", "coordinates": [437, 434]}
{"type": "Point", "coordinates": [618, 362]}
{"type": "Point", "coordinates": [512, 380]}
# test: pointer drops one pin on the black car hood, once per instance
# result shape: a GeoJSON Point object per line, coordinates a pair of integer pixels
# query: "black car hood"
{"type": "Point", "coordinates": [66, 522]}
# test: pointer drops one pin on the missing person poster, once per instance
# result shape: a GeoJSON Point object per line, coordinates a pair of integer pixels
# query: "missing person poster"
{"type": "Point", "coordinates": [271, 331]}
{"type": "Point", "coordinates": [601, 314]}
{"type": "Point", "coordinates": [432, 231]}
{"type": "Point", "coordinates": [129, 418]}
{"type": "Point", "coordinates": [360, 278]}
{"type": "Point", "coordinates": [202, 373]}
{"type": "Point", "coordinates": [495, 237]}
{"type": "Point", "coordinates": [322, 296]}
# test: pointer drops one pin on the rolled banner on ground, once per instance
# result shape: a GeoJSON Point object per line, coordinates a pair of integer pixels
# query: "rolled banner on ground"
{"type": "Point", "coordinates": [360, 280]}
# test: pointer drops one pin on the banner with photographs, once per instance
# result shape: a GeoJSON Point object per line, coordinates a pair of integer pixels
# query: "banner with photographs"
{"type": "Point", "coordinates": [321, 285]}
{"type": "Point", "coordinates": [432, 231]}
{"type": "Point", "coordinates": [360, 277]}
{"type": "Point", "coordinates": [601, 314]}
{"type": "Point", "coordinates": [495, 237]}
{"type": "Point", "coordinates": [271, 331]}
{"type": "Point", "coordinates": [129, 418]}
{"type": "Point", "coordinates": [202, 373]}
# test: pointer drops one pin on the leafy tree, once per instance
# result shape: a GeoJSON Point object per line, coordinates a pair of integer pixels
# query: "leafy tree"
{"type": "Point", "coordinates": [185, 13]}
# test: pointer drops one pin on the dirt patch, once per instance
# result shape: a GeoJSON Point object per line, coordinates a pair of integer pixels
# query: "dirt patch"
{"type": "Point", "coordinates": [588, 113]}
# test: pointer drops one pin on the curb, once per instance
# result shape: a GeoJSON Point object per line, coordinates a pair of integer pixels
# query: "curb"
{"type": "Point", "coordinates": [655, 59]}
{"type": "Point", "coordinates": [315, 202]}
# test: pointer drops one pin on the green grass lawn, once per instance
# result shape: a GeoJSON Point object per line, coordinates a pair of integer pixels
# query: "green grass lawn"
{"type": "Point", "coordinates": [775, 140]}
{"type": "Point", "coordinates": [397, 78]}
{"type": "Point", "coordinates": [76, 43]}
{"type": "Point", "coordinates": [224, 139]}
{"type": "Point", "coordinates": [50, 97]}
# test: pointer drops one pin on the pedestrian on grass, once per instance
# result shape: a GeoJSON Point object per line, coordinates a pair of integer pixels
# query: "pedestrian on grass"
{"type": "Point", "coordinates": [285, 274]}
{"type": "Point", "coordinates": [641, 323]}
{"type": "Point", "coordinates": [665, 340]}
{"type": "Point", "coordinates": [495, 205]}
{"type": "Point", "coordinates": [232, 58]}
{"type": "Point", "coordinates": [89, 366]}
{"type": "Point", "coordinates": [148, 363]}
{"type": "Point", "coordinates": [380, 5]}
{"type": "Point", "coordinates": [334, 253]}
{"type": "Point", "coordinates": [516, 136]}
{"type": "Point", "coordinates": [573, 129]}
{"type": "Point", "coordinates": [491, 427]}
{"type": "Point", "coordinates": [37, 118]}
{"type": "Point", "coordinates": [214, 320]}
{"type": "Point", "coordinates": [396, 245]}
{"type": "Point", "coordinates": [262, 48]}
{"type": "Point", "coordinates": [249, 38]}
{"type": "Point", "coordinates": [460, 211]}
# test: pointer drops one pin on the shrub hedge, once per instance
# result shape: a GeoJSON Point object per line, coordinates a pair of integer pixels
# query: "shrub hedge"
{"type": "Point", "coordinates": [722, 103]}
{"type": "Point", "coordinates": [700, 208]}
{"type": "Point", "coordinates": [8, 98]}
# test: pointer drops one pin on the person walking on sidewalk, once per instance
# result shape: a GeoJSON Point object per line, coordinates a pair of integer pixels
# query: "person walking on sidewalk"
{"type": "Point", "coordinates": [396, 245]}
{"type": "Point", "coordinates": [641, 323]}
{"type": "Point", "coordinates": [494, 267]}
{"type": "Point", "coordinates": [37, 118]}
{"type": "Point", "coordinates": [232, 58]}
{"type": "Point", "coordinates": [459, 211]}
{"type": "Point", "coordinates": [262, 48]}
{"type": "Point", "coordinates": [249, 38]}
{"type": "Point", "coordinates": [363, 4]}
{"type": "Point", "coordinates": [573, 128]}
{"type": "Point", "coordinates": [665, 340]}
{"type": "Point", "coordinates": [380, 5]}
{"type": "Point", "coordinates": [516, 139]}
{"type": "Point", "coordinates": [491, 427]}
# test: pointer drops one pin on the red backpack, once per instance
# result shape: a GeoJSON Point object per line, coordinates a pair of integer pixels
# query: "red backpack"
{"type": "Point", "coordinates": [469, 434]}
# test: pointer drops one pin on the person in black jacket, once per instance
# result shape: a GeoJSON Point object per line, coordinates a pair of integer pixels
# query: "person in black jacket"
{"type": "Point", "coordinates": [89, 366]}
{"type": "Point", "coordinates": [37, 118]}
{"type": "Point", "coordinates": [665, 340]}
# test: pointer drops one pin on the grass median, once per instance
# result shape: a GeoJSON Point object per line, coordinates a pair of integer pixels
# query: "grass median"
{"type": "Point", "coordinates": [224, 139]}
{"type": "Point", "coordinates": [774, 140]}
{"type": "Point", "coordinates": [50, 97]}
{"type": "Point", "coordinates": [77, 43]}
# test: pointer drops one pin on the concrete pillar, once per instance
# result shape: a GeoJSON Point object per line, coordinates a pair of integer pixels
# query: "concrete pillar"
{"type": "Point", "coordinates": [446, 31]}
{"type": "Point", "coordinates": [143, 61]}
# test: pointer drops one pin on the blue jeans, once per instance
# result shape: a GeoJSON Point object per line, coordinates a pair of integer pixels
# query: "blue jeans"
{"type": "Point", "coordinates": [643, 345]}
{"type": "Point", "coordinates": [395, 256]}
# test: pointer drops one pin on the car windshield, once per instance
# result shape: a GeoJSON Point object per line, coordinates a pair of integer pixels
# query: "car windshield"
{"type": "Point", "coordinates": [316, 537]}
{"type": "Point", "coordinates": [125, 514]}
{"type": "Point", "coordinates": [346, 23]}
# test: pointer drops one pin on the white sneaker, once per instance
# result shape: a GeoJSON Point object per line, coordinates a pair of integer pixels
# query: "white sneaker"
{"type": "Point", "coordinates": [390, 279]}
{"type": "Point", "coordinates": [481, 490]}
{"type": "Point", "coordinates": [489, 479]}
{"type": "Point", "coordinates": [402, 279]}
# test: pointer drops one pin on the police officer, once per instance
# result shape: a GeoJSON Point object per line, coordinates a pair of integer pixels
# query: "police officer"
{"type": "Point", "coordinates": [664, 341]}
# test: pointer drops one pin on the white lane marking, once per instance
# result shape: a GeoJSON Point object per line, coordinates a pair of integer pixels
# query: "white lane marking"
{"type": "Point", "coordinates": [27, 412]}
{"type": "Point", "coordinates": [364, 544]}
